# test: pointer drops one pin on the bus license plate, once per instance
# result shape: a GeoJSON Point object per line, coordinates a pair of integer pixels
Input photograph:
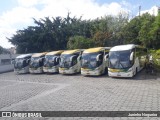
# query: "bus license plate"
{"type": "Point", "coordinates": [118, 74]}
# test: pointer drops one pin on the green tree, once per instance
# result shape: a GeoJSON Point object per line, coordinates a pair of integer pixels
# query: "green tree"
{"type": "Point", "coordinates": [101, 38]}
{"type": "Point", "coordinates": [3, 50]}
{"type": "Point", "coordinates": [155, 33]}
{"type": "Point", "coordinates": [131, 31]}
{"type": "Point", "coordinates": [145, 35]}
{"type": "Point", "coordinates": [79, 42]}
{"type": "Point", "coordinates": [70, 33]}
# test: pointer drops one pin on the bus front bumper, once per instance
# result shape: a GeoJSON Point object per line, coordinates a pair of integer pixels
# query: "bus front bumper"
{"type": "Point", "coordinates": [34, 70]}
{"type": "Point", "coordinates": [90, 72]}
{"type": "Point", "coordinates": [50, 70]}
{"type": "Point", "coordinates": [67, 71]}
{"type": "Point", "coordinates": [21, 71]}
{"type": "Point", "coordinates": [120, 74]}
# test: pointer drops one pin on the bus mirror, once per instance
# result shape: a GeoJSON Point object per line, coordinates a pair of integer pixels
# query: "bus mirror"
{"type": "Point", "coordinates": [28, 61]}
{"type": "Point", "coordinates": [97, 58]}
{"type": "Point", "coordinates": [57, 59]}
{"type": "Point", "coordinates": [13, 61]}
{"type": "Point", "coordinates": [106, 57]}
{"type": "Point", "coordinates": [71, 58]}
{"type": "Point", "coordinates": [79, 58]}
{"type": "Point", "coordinates": [131, 56]}
{"type": "Point", "coordinates": [60, 59]}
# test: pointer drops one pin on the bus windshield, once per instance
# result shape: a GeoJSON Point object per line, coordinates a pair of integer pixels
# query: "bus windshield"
{"type": "Point", "coordinates": [119, 59]}
{"type": "Point", "coordinates": [89, 60]}
{"type": "Point", "coordinates": [50, 61]}
{"type": "Point", "coordinates": [18, 63]}
{"type": "Point", "coordinates": [19, 59]}
{"type": "Point", "coordinates": [35, 63]}
{"type": "Point", "coordinates": [65, 60]}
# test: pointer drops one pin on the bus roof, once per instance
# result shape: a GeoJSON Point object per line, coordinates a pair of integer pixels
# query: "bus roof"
{"type": "Point", "coordinates": [55, 52]}
{"type": "Point", "coordinates": [123, 47]}
{"type": "Point", "coordinates": [24, 55]}
{"type": "Point", "coordinates": [71, 51]}
{"type": "Point", "coordinates": [39, 54]}
{"type": "Point", "coordinates": [93, 50]}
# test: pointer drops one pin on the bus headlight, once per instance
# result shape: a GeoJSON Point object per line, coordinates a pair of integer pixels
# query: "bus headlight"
{"type": "Point", "coordinates": [71, 67]}
{"type": "Point", "coordinates": [130, 69]}
{"type": "Point", "coordinates": [97, 68]}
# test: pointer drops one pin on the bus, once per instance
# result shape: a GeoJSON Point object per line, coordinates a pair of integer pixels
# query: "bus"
{"type": "Point", "coordinates": [94, 61]}
{"type": "Point", "coordinates": [126, 60]}
{"type": "Point", "coordinates": [51, 62]}
{"type": "Point", "coordinates": [21, 63]}
{"type": "Point", "coordinates": [37, 62]}
{"type": "Point", "coordinates": [70, 61]}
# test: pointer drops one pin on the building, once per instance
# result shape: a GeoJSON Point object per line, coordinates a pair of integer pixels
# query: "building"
{"type": "Point", "coordinates": [5, 62]}
{"type": "Point", "coordinates": [12, 50]}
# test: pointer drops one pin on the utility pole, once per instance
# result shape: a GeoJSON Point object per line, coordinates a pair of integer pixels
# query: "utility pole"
{"type": "Point", "coordinates": [139, 10]}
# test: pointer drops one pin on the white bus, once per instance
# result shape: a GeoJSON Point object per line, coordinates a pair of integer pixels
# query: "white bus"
{"type": "Point", "coordinates": [126, 60]}
{"type": "Point", "coordinates": [95, 61]}
{"type": "Point", "coordinates": [37, 62]}
{"type": "Point", "coordinates": [21, 63]}
{"type": "Point", "coordinates": [70, 61]}
{"type": "Point", "coordinates": [51, 62]}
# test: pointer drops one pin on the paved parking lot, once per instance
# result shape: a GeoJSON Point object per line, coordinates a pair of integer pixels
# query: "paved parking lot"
{"type": "Point", "coordinates": [55, 92]}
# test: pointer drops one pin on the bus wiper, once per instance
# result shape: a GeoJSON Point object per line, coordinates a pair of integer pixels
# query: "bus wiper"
{"type": "Point", "coordinates": [121, 64]}
{"type": "Point", "coordinates": [86, 62]}
{"type": "Point", "coordinates": [110, 65]}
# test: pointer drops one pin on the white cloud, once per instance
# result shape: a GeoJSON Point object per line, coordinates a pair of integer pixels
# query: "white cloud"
{"type": "Point", "coordinates": [88, 8]}
{"type": "Point", "coordinates": [21, 16]}
{"type": "Point", "coordinates": [152, 11]}
{"type": "Point", "coordinates": [6, 32]}
{"type": "Point", "coordinates": [27, 3]}
{"type": "Point", "coordinates": [18, 15]}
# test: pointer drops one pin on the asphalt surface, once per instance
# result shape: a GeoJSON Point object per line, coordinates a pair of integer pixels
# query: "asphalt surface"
{"type": "Point", "coordinates": [56, 92]}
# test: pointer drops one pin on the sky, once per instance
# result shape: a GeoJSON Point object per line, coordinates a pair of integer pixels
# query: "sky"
{"type": "Point", "coordinates": [18, 14]}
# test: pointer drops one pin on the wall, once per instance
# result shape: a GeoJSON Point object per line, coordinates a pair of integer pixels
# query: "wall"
{"type": "Point", "coordinates": [5, 62]}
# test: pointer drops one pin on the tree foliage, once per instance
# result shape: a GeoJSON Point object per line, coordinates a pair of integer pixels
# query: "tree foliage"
{"type": "Point", "coordinates": [57, 33]}
{"type": "Point", "coordinates": [79, 42]}
{"type": "Point", "coordinates": [143, 30]}
{"type": "Point", "coordinates": [3, 50]}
